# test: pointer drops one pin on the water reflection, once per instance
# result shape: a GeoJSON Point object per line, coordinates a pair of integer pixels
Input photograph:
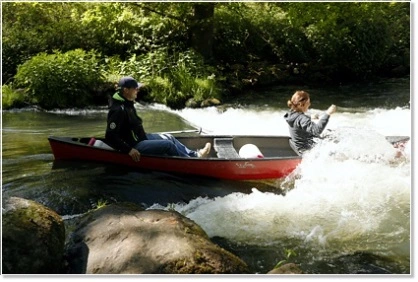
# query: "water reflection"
{"type": "Point", "coordinates": [115, 183]}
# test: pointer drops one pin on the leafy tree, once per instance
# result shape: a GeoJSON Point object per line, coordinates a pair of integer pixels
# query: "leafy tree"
{"type": "Point", "coordinates": [202, 32]}
{"type": "Point", "coordinates": [397, 16]}
{"type": "Point", "coordinates": [116, 29]}
{"type": "Point", "coordinates": [189, 22]}
{"type": "Point", "coordinates": [352, 38]}
{"type": "Point", "coordinates": [30, 28]}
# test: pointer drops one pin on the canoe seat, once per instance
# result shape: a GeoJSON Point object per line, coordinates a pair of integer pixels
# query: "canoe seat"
{"type": "Point", "coordinates": [224, 148]}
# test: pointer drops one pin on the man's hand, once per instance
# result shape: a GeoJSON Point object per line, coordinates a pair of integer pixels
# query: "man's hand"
{"type": "Point", "coordinates": [135, 155]}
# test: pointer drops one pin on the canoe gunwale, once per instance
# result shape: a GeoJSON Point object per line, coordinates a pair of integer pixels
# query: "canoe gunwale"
{"type": "Point", "coordinates": [70, 140]}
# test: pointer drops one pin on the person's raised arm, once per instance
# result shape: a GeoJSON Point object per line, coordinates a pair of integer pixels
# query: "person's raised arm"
{"type": "Point", "coordinates": [332, 109]}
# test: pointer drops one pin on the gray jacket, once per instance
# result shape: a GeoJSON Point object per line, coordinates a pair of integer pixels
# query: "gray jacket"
{"type": "Point", "coordinates": [303, 130]}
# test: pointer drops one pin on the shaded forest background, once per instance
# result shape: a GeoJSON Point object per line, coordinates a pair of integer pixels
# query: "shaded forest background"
{"type": "Point", "coordinates": [71, 54]}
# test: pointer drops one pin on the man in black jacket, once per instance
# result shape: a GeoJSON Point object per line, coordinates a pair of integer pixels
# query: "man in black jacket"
{"type": "Point", "coordinates": [126, 133]}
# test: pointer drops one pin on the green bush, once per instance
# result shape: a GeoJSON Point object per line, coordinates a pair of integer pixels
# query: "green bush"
{"type": "Point", "coordinates": [61, 80]}
{"type": "Point", "coordinates": [188, 77]}
{"type": "Point", "coordinates": [11, 98]}
{"type": "Point", "coordinates": [173, 78]}
{"type": "Point", "coordinates": [30, 28]}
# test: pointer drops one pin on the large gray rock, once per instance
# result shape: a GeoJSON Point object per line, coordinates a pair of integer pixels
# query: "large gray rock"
{"type": "Point", "coordinates": [33, 238]}
{"type": "Point", "coordinates": [123, 238]}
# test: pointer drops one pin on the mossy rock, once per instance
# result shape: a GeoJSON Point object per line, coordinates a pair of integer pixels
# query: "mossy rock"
{"type": "Point", "coordinates": [33, 238]}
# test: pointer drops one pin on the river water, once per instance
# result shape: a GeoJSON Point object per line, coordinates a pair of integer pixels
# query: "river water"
{"type": "Point", "coordinates": [346, 209]}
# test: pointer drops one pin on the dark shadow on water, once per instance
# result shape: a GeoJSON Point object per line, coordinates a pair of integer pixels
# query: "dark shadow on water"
{"type": "Point", "coordinates": [110, 183]}
{"type": "Point", "coordinates": [262, 259]}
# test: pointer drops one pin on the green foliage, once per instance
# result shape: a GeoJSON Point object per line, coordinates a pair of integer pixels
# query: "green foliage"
{"type": "Point", "coordinates": [61, 80]}
{"type": "Point", "coordinates": [288, 254]}
{"type": "Point", "coordinates": [398, 17]}
{"type": "Point", "coordinates": [101, 204]}
{"type": "Point", "coordinates": [258, 31]}
{"type": "Point", "coordinates": [30, 28]}
{"type": "Point", "coordinates": [11, 98]}
{"type": "Point", "coordinates": [173, 78]}
{"type": "Point", "coordinates": [187, 77]}
{"type": "Point", "coordinates": [231, 33]}
{"type": "Point", "coordinates": [152, 41]}
{"type": "Point", "coordinates": [115, 29]}
{"type": "Point", "coordinates": [351, 39]}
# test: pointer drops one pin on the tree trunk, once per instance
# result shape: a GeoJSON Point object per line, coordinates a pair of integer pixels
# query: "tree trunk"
{"type": "Point", "coordinates": [202, 29]}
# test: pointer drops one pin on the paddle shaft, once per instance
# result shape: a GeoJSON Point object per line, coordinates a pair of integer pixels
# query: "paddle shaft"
{"type": "Point", "coordinates": [182, 131]}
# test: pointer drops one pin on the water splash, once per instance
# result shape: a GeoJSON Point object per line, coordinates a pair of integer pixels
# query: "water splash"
{"type": "Point", "coordinates": [256, 121]}
{"type": "Point", "coordinates": [350, 193]}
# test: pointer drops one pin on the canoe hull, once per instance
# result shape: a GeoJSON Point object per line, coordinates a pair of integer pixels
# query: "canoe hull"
{"type": "Point", "coordinates": [233, 169]}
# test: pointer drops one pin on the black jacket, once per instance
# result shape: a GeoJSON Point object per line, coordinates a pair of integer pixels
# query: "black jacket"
{"type": "Point", "coordinates": [303, 130]}
{"type": "Point", "coordinates": [124, 127]}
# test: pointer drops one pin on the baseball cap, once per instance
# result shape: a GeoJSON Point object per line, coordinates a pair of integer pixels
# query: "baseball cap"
{"type": "Point", "coordinates": [128, 82]}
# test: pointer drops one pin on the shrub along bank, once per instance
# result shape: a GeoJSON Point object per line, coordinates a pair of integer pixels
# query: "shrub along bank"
{"type": "Point", "coordinates": [79, 79]}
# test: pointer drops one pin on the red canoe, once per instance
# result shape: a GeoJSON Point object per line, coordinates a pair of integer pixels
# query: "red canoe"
{"type": "Point", "coordinates": [224, 162]}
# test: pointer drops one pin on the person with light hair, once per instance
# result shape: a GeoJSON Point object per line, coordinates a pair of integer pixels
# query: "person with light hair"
{"type": "Point", "coordinates": [301, 127]}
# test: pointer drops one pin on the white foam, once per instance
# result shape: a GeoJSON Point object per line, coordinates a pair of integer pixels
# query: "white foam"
{"type": "Point", "coordinates": [349, 192]}
{"type": "Point", "coordinates": [271, 122]}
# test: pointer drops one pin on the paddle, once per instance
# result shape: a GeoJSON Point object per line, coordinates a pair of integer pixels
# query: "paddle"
{"type": "Point", "coordinates": [182, 131]}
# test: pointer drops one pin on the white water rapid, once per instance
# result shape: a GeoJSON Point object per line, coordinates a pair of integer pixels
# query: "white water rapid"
{"type": "Point", "coordinates": [349, 193]}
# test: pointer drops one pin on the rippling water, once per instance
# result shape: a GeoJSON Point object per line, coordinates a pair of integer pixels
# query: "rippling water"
{"type": "Point", "coordinates": [346, 209]}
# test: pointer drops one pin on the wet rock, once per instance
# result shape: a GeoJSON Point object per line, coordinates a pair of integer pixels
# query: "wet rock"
{"type": "Point", "coordinates": [123, 238]}
{"type": "Point", "coordinates": [33, 238]}
{"type": "Point", "coordinates": [210, 102]}
{"type": "Point", "coordinates": [361, 263]}
{"type": "Point", "coordinates": [288, 268]}
{"type": "Point", "coordinates": [192, 103]}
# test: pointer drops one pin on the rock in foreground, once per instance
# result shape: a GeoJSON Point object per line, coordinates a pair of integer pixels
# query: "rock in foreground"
{"type": "Point", "coordinates": [124, 239]}
{"type": "Point", "coordinates": [33, 238]}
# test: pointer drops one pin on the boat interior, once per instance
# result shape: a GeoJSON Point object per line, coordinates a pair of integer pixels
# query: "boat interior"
{"type": "Point", "coordinates": [231, 147]}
